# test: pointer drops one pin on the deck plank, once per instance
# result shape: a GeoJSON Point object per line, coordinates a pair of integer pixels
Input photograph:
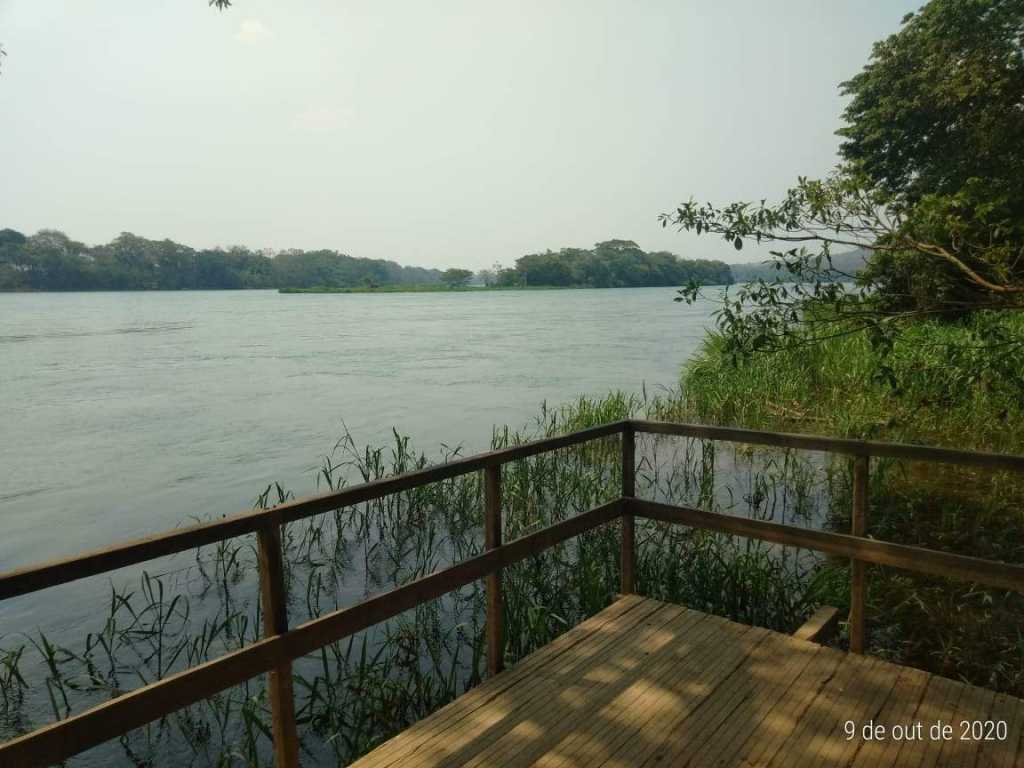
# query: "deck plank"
{"type": "Point", "coordinates": [718, 728]}
{"type": "Point", "coordinates": [654, 684]}
{"type": "Point", "coordinates": [761, 746]}
{"type": "Point", "coordinates": [546, 724]}
{"type": "Point", "coordinates": [669, 690]}
{"type": "Point", "coordinates": [1003, 753]}
{"type": "Point", "coordinates": [939, 703]}
{"type": "Point", "coordinates": [569, 651]}
{"type": "Point", "coordinates": [900, 710]}
{"type": "Point", "coordinates": [874, 683]}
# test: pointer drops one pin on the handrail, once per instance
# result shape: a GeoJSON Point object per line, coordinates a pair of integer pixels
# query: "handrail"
{"type": "Point", "coordinates": [61, 571]}
{"type": "Point", "coordinates": [991, 573]}
{"type": "Point", "coordinates": [274, 653]}
{"type": "Point", "coordinates": [64, 738]}
{"type": "Point", "coordinates": [847, 446]}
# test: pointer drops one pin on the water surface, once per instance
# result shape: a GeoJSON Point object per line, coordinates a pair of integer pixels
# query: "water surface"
{"type": "Point", "coordinates": [129, 413]}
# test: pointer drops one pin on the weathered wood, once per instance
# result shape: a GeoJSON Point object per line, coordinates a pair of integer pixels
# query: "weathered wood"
{"type": "Point", "coordinates": [64, 570]}
{"type": "Point", "coordinates": [60, 740]}
{"type": "Point", "coordinates": [682, 688]}
{"type": "Point", "coordinates": [834, 445]}
{"type": "Point", "coordinates": [492, 540]}
{"type": "Point", "coordinates": [970, 569]}
{"type": "Point", "coordinates": [528, 680]}
{"type": "Point", "coordinates": [274, 653]}
{"type": "Point", "coordinates": [628, 556]}
{"type": "Point", "coordinates": [820, 627]}
{"type": "Point", "coordinates": [858, 578]}
{"type": "Point", "coordinates": [273, 601]}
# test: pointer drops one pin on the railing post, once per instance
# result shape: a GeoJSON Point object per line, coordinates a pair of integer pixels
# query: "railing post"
{"type": "Point", "coordinates": [275, 622]}
{"type": "Point", "coordinates": [858, 527]}
{"type": "Point", "coordinates": [628, 585]}
{"type": "Point", "coordinates": [492, 539]}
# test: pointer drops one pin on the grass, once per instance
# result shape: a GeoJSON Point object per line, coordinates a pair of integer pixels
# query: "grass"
{"type": "Point", "coordinates": [352, 695]}
{"type": "Point", "coordinates": [939, 387]}
{"type": "Point", "coordinates": [932, 389]}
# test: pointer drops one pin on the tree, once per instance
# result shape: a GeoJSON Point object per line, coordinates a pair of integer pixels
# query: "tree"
{"type": "Point", "coordinates": [12, 260]}
{"type": "Point", "coordinates": [613, 263]}
{"type": "Point", "coordinates": [932, 185]}
{"type": "Point", "coordinates": [456, 278]}
{"type": "Point", "coordinates": [940, 102]}
{"type": "Point", "coordinates": [50, 261]}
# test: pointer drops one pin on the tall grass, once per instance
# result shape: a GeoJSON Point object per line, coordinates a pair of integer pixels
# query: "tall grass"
{"type": "Point", "coordinates": [940, 385]}
{"type": "Point", "coordinates": [352, 695]}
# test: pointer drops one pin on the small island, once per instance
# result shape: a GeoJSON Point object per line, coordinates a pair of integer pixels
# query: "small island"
{"type": "Point", "coordinates": [51, 261]}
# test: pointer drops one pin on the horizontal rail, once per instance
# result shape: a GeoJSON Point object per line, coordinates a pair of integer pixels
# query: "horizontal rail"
{"type": "Point", "coordinates": [64, 738]}
{"type": "Point", "coordinates": [971, 569]}
{"type": "Point", "coordinates": [64, 570]}
{"type": "Point", "coordinates": [834, 445]}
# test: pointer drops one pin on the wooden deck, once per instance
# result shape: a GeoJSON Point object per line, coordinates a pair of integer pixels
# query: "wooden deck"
{"type": "Point", "coordinates": [646, 683]}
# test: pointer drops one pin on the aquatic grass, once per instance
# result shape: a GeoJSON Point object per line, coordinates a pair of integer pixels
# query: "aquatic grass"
{"type": "Point", "coordinates": [937, 387]}
{"type": "Point", "coordinates": [354, 694]}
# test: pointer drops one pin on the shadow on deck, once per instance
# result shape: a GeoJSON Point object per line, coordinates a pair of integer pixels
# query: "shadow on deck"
{"type": "Point", "coordinates": [645, 683]}
{"type": "Point", "coordinates": [641, 683]}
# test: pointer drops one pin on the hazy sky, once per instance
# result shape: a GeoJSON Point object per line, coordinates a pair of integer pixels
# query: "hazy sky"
{"type": "Point", "coordinates": [431, 133]}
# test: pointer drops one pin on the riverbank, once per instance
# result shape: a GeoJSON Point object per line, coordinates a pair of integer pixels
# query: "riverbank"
{"type": "Point", "coordinates": [185, 610]}
{"type": "Point", "coordinates": [357, 693]}
{"type": "Point", "coordinates": [428, 289]}
{"type": "Point", "coordinates": [459, 288]}
{"type": "Point", "coordinates": [939, 386]}
{"type": "Point", "coordinates": [353, 695]}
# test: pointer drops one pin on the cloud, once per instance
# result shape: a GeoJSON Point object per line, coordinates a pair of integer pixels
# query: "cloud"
{"type": "Point", "coordinates": [252, 31]}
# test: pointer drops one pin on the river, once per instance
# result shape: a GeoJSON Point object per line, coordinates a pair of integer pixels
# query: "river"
{"type": "Point", "coordinates": [129, 413]}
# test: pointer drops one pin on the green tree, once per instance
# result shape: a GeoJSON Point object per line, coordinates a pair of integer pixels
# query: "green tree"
{"type": "Point", "coordinates": [613, 264]}
{"type": "Point", "coordinates": [932, 185]}
{"type": "Point", "coordinates": [456, 278]}
{"type": "Point", "coordinates": [51, 261]}
{"type": "Point", "coordinates": [12, 260]}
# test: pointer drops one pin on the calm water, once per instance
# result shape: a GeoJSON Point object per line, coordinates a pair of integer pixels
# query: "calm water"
{"type": "Point", "coordinates": [129, 413]}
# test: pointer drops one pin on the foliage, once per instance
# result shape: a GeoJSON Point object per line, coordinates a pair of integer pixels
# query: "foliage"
{"type": "Point", "coordinates": [456, 278]}
{"type": "Point", "coordinates": [940, 383]}
{"type": "Point", "coordinates": [935, 124]}
{"type": "Point", "coordinates": [51, 261]}
{"type": "Point", "coordinates": [488, 277]}
{"type": "Point", "coordinates": [932, 184]}
{"type": "Point", "coordinates": [944, 388]}
{"type": "Point", "coordinates": [355, 693]}
{"type": "Point", "coordinates": [613, 264]}
{"type": "Point", "coordinates": [845, 266]}
{"type": "Point", "coordinates": [939, 103]}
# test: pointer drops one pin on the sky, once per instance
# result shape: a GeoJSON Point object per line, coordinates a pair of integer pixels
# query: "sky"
{"type": "Point", "coordinates": [434, 134]}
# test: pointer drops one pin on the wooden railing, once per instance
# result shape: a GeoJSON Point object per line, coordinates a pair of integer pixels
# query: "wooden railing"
{"type": "Point", "coordinates": [273, 655]}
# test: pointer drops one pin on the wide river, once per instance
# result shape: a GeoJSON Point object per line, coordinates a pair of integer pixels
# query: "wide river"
{"type": "Point", "coordinates": [129, 413]}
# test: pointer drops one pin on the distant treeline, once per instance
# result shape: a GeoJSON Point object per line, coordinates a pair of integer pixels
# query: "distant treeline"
{"type": "Point", "coordinates": [844, 266]}
{"type": "Point", "coordinates": [51, 261]}
{"type": "Point", "coordinates": [611, 264]}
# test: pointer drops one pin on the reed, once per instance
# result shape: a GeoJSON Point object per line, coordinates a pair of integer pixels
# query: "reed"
{"type": "Point", "coordinates": [352, 695]}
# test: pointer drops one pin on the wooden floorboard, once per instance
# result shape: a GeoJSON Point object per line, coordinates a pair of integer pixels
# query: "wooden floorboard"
{"type": "Point", "coordinates": [645, 683]}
